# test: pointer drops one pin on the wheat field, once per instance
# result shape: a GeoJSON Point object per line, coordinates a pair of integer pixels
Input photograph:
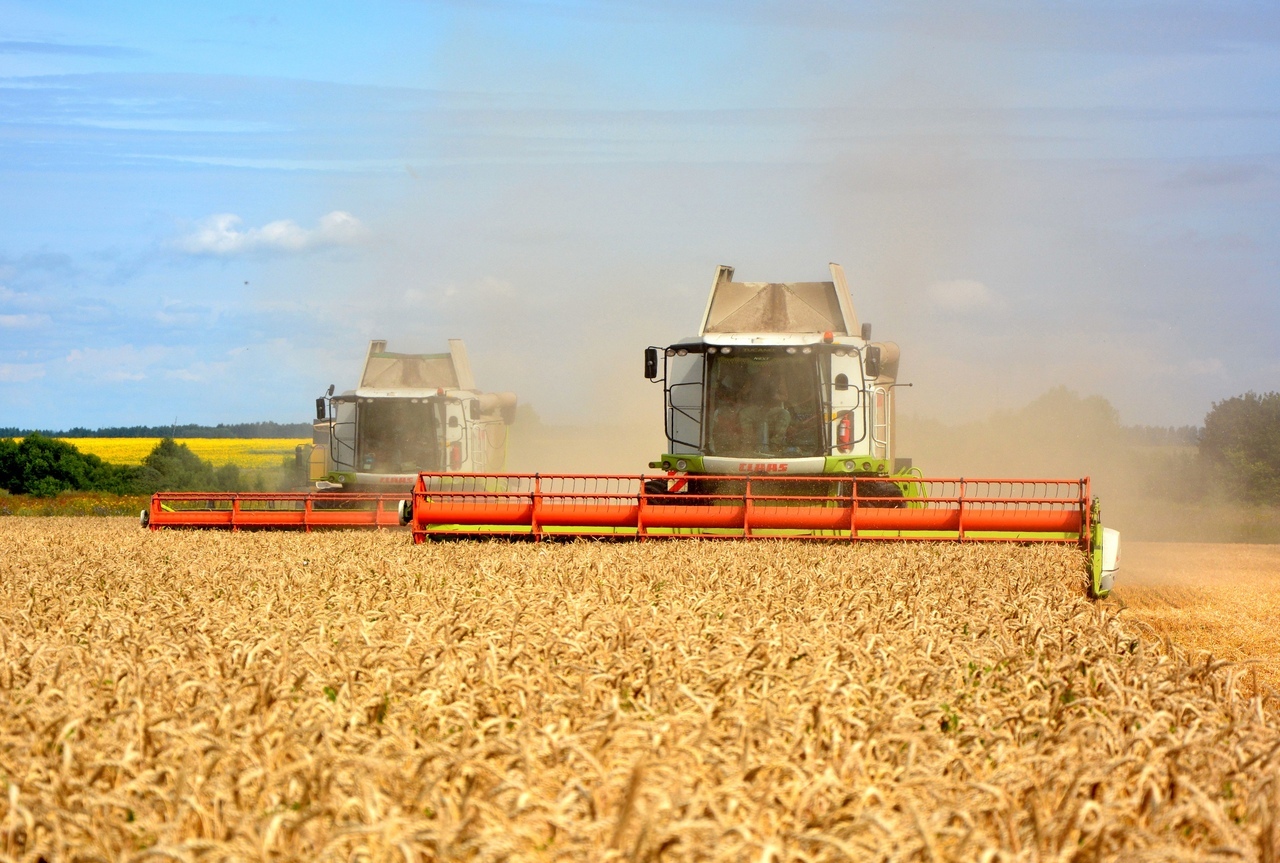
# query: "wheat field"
{"type": "Point", "coordinates": [349, 696]}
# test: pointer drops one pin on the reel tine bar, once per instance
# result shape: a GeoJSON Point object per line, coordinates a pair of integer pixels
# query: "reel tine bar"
{"type": "Point", "coordinates": [272, 510]}
{"type": "Point", "coordinates": [542, 506]}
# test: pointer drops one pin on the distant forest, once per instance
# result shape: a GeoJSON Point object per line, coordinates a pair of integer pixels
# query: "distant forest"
{"type": "Point", "coordinates": [1164, 435]}
{"type": "Point", "coordinates": [221, 430]}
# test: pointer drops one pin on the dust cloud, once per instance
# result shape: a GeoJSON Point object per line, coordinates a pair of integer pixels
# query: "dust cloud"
{"type": "Point", "coordinates": [1150, 490]}
{"type": "Point", "coordinates": [990, 241]}
{"type": "Point", "coordinates": [623, 446]}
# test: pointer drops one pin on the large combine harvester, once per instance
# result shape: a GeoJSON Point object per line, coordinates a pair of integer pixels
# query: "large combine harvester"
{"type": "Point", "coordinates": [410, 413]}
{"type": "Point", "coordinates": [779, 423]}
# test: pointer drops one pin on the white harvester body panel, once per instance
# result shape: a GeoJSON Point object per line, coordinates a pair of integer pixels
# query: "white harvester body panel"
{"type": "Point", "coordinates": [731, 466]}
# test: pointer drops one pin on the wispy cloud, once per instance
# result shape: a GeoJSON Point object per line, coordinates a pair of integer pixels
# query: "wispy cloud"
{"type": "Point", "coordinates": [222, 235]}
{"type": "Point", "coordinates": [961, 295]}
{"type": "Point", "coordinates": [117, 364]}
{"type": "Point", "coordinates": [22, 321]}
{"type": "Point", "coordinates": [16, 373]}
{"type": "Point", "coordinates": [62, 49]}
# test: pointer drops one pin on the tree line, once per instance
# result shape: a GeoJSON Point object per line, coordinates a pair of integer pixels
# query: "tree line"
{"type": "Point", "coordinates": [1240, 444]}
{"type": "Point", "coordinates": [221, 430]}
{"type": "Point", "coordinates": [42, 466]}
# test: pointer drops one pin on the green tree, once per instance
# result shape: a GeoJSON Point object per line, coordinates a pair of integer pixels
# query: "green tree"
{"type": "Point", "coordinates": [44, 467]}
{"type": "Point", "coordinates": [1240, 445]}
{"type": "Point", "coordinates": [172, 466]}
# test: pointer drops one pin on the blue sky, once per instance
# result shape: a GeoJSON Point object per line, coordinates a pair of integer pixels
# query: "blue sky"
{"type": "Point", "coordinates": [210, 209]}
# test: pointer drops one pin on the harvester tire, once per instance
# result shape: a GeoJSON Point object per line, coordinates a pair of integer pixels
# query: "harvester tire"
{"type": "Point", "coordinates": [658, 494]}
{"type": "Point", "coordinates": [881, 490]}
{"type": "Point", "coordinates": [655, 486]}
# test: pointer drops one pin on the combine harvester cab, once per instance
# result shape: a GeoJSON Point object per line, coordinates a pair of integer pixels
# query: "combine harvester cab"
{"type": "Point", "coordinates": [781, 380]}
{"type": "Point", "coordinates": [779, 423]}
{"type": "Point", "coordinates": [410, 413]}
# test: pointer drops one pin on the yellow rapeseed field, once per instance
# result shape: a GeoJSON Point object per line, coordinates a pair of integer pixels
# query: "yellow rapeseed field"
{"type": "Point", "coordinates": [349, 696]}
{"type": "Point", "coordinates": [242, 452]}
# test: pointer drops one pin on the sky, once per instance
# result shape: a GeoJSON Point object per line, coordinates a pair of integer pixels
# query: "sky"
{"type": "Point", "coordinates": [210, 209]}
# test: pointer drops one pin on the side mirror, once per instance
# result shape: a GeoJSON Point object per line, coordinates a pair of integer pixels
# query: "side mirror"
{"type": "Point", "coordinates": [320, 412]}
{"type": "Point", "coordinates": [650, 363]}
{"type": "Point", "coordinates": [866, 332]}
{"type": "Point", "coordinates": [871, 361]}
{"type": "Point", "coordinates": [453, 422]}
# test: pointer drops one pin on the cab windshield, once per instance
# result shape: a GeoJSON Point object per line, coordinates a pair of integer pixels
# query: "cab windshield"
{"type": "Point", "coordinates": [397, 436]}
{"type": "Point", "coordinates": [764, 403]}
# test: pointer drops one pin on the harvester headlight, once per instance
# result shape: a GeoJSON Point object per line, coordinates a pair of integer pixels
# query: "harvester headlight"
{"type": "Point", "coordinates": [671, 352]}
{"type": "Point", "coordinates": [682, 353]}
{"type": "Point", "coordinates": [681, 464]}
{"type": "Point", "coordinates": [806, 350]}
{"type": "Point", "coordinates": [725, 350]}
{"type": "Point", "coordinates": [848, 466]}
{"type": "Point", "coordinates": [791, 350]}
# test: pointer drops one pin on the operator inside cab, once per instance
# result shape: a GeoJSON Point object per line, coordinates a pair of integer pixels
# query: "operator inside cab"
{"type": "Point", "coordinates": [762, 404]}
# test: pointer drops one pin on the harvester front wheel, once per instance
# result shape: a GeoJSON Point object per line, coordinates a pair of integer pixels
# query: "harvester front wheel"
{"type": "Point", "coordinates": [659, 494]}
{"type": "Point", "coordinates": [881, 489]}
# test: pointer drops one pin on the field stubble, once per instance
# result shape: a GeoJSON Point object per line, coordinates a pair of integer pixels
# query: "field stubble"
{"type": "Point", "coordinates": [1218, 598]}
{"type": "Point", "coordinates": [348, 696]}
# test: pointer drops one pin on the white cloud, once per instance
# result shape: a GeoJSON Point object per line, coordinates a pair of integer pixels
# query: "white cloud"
{"type": "Point", "coordinates": [487, 288]}
{"type": "Point", "coordinates": [959, 295]}
{"type": "Point", "coordinates": [222, 234]}
{"type": "Point", "coordinates": [22, 321]}
{"type": "Point", "coordinates": [1208, 366]}
{"type": "Point", "coordinates": [16, 373]}
{"type": "Point", "coordinates": [124, 363]}
{"type": "Point", "coordinates": [239, 363]}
